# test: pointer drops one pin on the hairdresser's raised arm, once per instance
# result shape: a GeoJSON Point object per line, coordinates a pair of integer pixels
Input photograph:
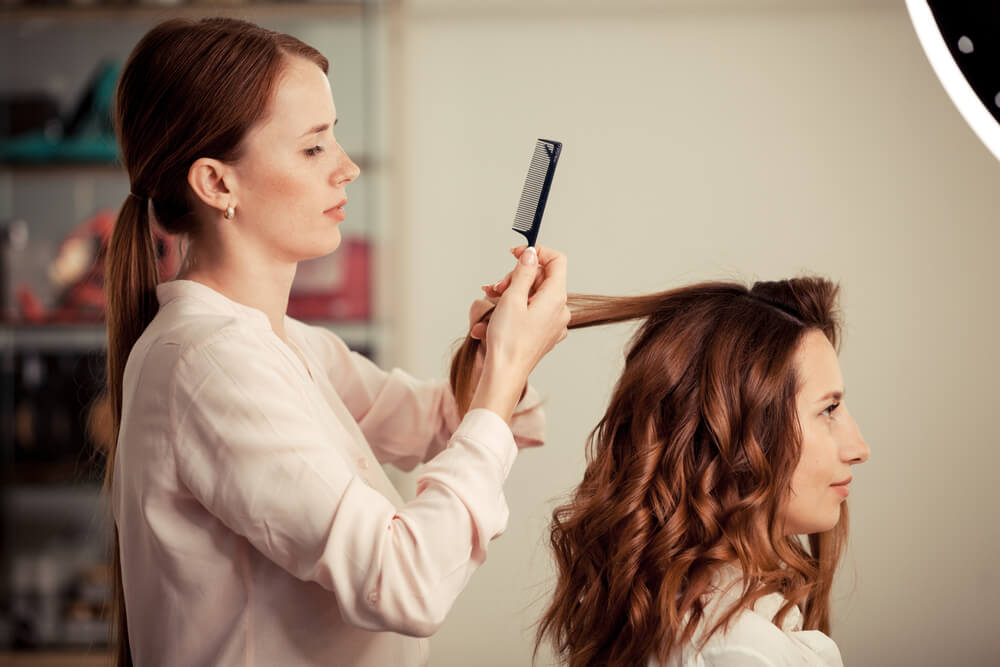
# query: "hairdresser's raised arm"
{"type": "Point", "coordinates": [522, 331]}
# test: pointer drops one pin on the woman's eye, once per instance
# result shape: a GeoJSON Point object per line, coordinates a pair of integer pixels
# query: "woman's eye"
{"type": "Point", "coordinates": [831, 409]}
{"type": "Point", "coordinates": [315, 150]}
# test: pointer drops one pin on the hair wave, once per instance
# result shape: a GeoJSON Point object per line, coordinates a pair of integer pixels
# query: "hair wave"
{"type": "Point", "coordinates": [687, 471]}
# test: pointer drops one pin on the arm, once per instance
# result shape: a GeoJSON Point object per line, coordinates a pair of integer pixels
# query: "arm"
{"type": "Point", "coordinates": [408, 421]}
{"type": "Point", "coordinates": [262, 463]}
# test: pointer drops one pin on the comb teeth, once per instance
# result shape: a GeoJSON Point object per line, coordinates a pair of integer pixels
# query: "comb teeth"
{"type": "Point", "coordinates": [528, 218]}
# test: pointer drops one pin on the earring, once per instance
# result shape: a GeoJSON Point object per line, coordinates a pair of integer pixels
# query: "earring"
{"type": "Point", "coordinates": [230, 211]}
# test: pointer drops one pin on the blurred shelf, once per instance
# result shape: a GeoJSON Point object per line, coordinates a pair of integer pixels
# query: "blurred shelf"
{"type": "Point", "coordinates": [363, 162]}
{"type": "Point", "coordinates": [62, 167]}
{"type": "Point", "coordinates": [55, 659]}
{"type": "Point", "coordinates": [54, 499]}
{"type": "Point", "coordinates": [47, 337]}
{"type": "Point", "coordinates": [83, 337]}
{"type": "Point", "coordinates": [97, 11]}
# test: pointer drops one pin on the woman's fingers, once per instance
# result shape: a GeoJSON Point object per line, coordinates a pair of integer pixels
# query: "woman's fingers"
{"type": "Point", "coordinates": [479, 308]}
{"type": "Point", "coordinates": [499, 287]}
{"type": "Point", "coordinates": [478, 331]}
{"type": "Point", "coordinates": [527, 322]}
{"type": "Point", "coordinates": [523, 276]}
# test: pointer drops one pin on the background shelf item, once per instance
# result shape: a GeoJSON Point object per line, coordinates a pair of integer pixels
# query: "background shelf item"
{"type": "Point", "coordinates": [76, 659]}
{"type": "Point", "coordinates": [22, 10]}
{"type": "Point", "coordinates": [93, 337]}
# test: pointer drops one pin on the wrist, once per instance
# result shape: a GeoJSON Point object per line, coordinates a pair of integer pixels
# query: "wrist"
{"type": "Point", "coordinates": [500, 388]}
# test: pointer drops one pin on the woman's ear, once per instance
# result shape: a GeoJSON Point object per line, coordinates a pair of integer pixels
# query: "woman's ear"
{"type": "Point", "coordinates": [208, 180]}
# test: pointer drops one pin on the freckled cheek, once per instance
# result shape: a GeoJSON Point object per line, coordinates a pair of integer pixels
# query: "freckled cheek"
{"type": "Point", "coordinates": [282, 185]}
{"type": "Point", "coordinates": [813, 469]}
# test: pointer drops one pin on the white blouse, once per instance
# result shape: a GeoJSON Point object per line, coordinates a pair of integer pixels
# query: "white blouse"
{"type": "Point", "coordinates": [752, 639]}
{"type": "Point", "coordinates": [255, 522]}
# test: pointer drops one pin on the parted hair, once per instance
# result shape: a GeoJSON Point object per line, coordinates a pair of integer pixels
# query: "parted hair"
{"type": "Point", "coordinates": [686, 472]}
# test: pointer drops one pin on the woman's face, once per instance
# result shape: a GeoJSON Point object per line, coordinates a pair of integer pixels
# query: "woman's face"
{"type": "Point", "coordinates": [290, 181]}
{"type": "Point", "coordinates": [831, 441]}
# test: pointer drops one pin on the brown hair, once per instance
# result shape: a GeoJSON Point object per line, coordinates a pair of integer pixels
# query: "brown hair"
{"type": "Point", "coordinates": [190, 89]}
{"type": "Point", "coordinates": [686, 471]}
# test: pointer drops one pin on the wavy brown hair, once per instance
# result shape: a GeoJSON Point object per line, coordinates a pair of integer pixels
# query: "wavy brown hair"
{"type": "Point", "coordinates": [687, 471]}
{"type": "Point", "coordinates": [190, 89]}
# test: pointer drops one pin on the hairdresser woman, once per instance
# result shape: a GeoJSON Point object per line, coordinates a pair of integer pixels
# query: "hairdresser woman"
{"type": "Point", "coordinates": [254, 525]}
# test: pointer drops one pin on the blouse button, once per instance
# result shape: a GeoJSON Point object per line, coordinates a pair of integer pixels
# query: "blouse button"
{"type": "Point", "coordinates": [373, 597]}
{"type": "Point", "coordinates": [363, 463]}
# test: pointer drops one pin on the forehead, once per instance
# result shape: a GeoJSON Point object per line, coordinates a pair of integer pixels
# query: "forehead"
{"type": "Point", "coordinates": [817, 365]}
{"type": "Point", "coordinates": [302, 99]}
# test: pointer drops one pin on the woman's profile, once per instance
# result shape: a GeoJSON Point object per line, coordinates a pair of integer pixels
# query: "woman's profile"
{"type": "Point", "coordinates": [726, 439]}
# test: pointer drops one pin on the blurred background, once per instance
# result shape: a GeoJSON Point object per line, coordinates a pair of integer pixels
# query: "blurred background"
{"type": "Point", "coordinates": [703, 139]}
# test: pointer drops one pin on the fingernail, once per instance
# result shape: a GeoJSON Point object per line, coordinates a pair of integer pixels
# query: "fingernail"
{"type": "Point", "coordinates": [496, 285]}
{"type": "Point", "coordinates": [529, 256]}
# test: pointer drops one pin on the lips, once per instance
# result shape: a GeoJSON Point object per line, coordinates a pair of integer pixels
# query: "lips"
{"type": "Point", "coordinates": [842, 488]}
{"type": "Point", "coordinates": [337, 206]}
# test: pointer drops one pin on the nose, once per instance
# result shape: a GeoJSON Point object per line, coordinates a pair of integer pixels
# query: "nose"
{"type": "Point", "coordinates": [345, 171]}
{"type": "Point", "coordinates": [854, 449]}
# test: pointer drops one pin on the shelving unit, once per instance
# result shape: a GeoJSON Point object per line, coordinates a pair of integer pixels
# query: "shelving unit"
{"type": "Point", "coordinates": [261, 11]}
{"type": "Point", "coordinates": [92, 337]}
{"type": "Point", "coordinates": [52, 529]}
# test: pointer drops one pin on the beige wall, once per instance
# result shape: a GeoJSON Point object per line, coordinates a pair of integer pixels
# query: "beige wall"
{"type": "Point", "coordinates": [713, 141]}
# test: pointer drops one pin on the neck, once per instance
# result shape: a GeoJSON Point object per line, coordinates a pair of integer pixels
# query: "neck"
{"type": "Point", "coordinates": [248, 278]}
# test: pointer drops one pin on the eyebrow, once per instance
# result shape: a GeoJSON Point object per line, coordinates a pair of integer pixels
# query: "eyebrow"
{"type": "Point", "coordinates": [834, 395]}
{"type": "Point", "coordinates": [318, 129]}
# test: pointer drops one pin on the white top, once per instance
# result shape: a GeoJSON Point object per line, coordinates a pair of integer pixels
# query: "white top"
{"type": "Point", "coordinates": [752, 638]}
{"type": "Point", "coordinates": [256, 524]}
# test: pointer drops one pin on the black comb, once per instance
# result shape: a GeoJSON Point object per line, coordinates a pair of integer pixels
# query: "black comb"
{"type": "Point", "coordinates": [528, 218]}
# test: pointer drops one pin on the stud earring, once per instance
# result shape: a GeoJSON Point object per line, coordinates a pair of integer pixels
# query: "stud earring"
{"type": "Point", "coordinates": [230, 212]}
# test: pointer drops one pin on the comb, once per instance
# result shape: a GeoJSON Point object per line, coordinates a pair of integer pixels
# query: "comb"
{"type": "Point", "coordinates": [535, 193]}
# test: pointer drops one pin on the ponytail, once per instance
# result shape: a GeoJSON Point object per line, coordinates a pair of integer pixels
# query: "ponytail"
{"type": "Point", "coordinates": [130, 285]}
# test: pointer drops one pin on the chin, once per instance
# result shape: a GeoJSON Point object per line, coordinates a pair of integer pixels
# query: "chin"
{"type": "Point", "coordinates": [816, 523]}
{"type": "Point", "coordinates": [324, 246]}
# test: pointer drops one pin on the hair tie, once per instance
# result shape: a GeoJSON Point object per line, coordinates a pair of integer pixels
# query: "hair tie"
{"type": "Point", "coordinates": [139, 197]}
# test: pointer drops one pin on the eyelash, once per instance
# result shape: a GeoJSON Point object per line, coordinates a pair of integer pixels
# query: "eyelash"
{"type": "Point", "coordinates": [315, 150]}
{"type": "Point", "coordinates": [831, 409]}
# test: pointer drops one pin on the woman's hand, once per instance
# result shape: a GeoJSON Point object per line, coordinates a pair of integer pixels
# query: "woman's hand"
{"type": "Point", "coordinates": [494, 291]}
{"type": "Point", "coordinates": [479, 319]}
{"type": "Point", "coordinates": [529, 319]}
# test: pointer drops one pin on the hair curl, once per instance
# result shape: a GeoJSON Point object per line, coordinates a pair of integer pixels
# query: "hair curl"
{"type": "Point", "coordinates": [687, 471]}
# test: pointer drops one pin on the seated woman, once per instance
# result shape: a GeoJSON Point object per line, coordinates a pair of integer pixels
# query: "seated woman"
{"type": "Point", "coordinates": [726, 440]}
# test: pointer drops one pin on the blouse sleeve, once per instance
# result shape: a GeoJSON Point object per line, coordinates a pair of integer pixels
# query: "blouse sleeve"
{"type": "Point", "coordinates": [408, 421]}
{"type": "Point", "coordinates": [252, 452]}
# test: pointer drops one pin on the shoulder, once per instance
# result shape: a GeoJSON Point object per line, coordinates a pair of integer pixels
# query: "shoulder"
{"type": "Point", "coordinates": [752, 639]}
{"type": "Point", "coordinates": [188, 349]}
{"type": "Point", "coordinates": [749, 639]}
{"type": "Point", "coordinates": [190, 334]}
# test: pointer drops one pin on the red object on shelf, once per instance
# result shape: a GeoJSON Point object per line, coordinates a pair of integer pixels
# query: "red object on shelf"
{"type": "Point", "coordinates": [30, 307]}
{"type": "Point", "coordinates": [334, 287]}
{"type": "Point", "coordinates": [78, 269]}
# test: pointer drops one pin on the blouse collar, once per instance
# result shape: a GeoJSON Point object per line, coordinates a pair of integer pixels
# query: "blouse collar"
{"type": "Point", "coordinates": [176, 289]}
